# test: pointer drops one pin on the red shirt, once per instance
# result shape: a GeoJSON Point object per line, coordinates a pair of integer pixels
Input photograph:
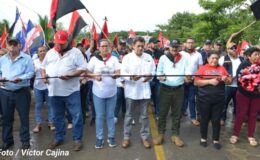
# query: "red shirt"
{"type": "Point", "coordinates": [210, 92]}
{"type": "Point", "coordinates": [210, 70]}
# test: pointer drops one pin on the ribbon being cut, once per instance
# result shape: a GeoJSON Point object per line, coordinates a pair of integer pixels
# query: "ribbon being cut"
{"type": "Point", "coordinates": [250, 78]}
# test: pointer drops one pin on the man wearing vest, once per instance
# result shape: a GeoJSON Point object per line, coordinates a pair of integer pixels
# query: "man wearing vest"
{"type": "Point", "coordinates": [231, 61]}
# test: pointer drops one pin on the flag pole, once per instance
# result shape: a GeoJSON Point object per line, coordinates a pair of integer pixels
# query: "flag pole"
{"type": "Point", "coordinates": [246, 27]}
{"type": "Point", "coordinates": [99, 27]}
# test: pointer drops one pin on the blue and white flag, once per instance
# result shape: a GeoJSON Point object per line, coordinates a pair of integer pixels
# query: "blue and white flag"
{"type": "Point", "coordinates": [19, 30]}
{"type": "Point", "coordinates": [34, 39]}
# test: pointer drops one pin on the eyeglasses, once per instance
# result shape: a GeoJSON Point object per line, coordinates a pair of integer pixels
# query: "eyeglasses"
{"type": "Point", "coordinates": [105, 46]}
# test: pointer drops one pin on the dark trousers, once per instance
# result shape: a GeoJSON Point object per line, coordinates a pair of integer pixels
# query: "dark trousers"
{"type": "Point", "coordinates": [120, 101]}
{"type": "Point", "coordinates": [189, 99]}
{"type": "Point", "coordinates": [83, 99]}
{"type": "Point", "coordinates": [210, 110]}
{"type": "Point", "coordinates": [230, 93]}
{"type": "Point", "coordinates": [90, 99]}
{"type": "Point", "coordinates": [170, 99]}
{"type": "Point", "coordinates": [155, 90]}
{"type": "Point", "coordinates": [20, 100]}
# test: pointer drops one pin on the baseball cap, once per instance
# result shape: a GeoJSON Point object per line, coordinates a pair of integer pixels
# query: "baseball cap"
{"type": "Point", "coordinates": [218, 42]}
{"type": "Point", "coordinates": [61, 37]}
{"type": "Point", "coordinates": [175, 43]}
{"type": "Point", "coordinates": [123, 42]}
{"type": "Point", "coordinates": [129, 41]}
{"type": "Point", "coordinates": [153, 40]}
{"type": "Point", "coordinates": [12, 39]}
{"type": "Point", "coordinates": [207, 42]}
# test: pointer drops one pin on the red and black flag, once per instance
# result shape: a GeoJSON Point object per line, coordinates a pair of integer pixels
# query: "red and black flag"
{"type": "Point", "coordinates": [94, 33]}
{"type": "Point", "coordinates": [85, 42]}
{"type": "Point", "coordinates": [60, 8]}
{"type": "Point", "coordinates": [164, 42]}
{"type": "Point", "coordinates": [116, 40]}
{"type": "Point", "coordinates": [131, 34]}
{"type": "Point", "coordinates": [104, 33]}
{"type": "Point", "coordinates": [94, 36]}
{"type": "Point", "coordinates": [76, 24]}
{"type": "Point", "coordinates": [255, 7]}
{"type": "Point", "coordinates": [3, 38]}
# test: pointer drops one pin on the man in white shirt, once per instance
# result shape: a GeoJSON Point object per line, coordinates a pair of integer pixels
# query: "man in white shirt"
{"type": "Point", "coordinates": [137, 89]}
{"type": "Point", "coordinates": [67, 64]}
{"type": "Point", "coordinates": [189, 88]}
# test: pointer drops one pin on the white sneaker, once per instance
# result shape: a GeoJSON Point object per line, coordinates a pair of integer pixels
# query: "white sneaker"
{"type": "Point", "coordinates": [115, 120]}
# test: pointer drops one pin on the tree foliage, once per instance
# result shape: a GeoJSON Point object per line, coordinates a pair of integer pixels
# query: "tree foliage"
{"type": "Point", "coordinates": [220, 19]}
{"type": "Point", "coordinates": [3, 23]}
{"type": "Point", "coordinates": [43, 21]}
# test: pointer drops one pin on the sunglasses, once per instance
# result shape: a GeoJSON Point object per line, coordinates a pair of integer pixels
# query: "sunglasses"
{"type": "Point", "coordinates": [233, 48]}
{"type": "Point", "coordinates": [13, 44]}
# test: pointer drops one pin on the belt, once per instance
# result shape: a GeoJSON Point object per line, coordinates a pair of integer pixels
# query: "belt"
{"type": "Point", "coordinates": [13, 91]}
{"type": "Point", "coordinates": [171, 87]}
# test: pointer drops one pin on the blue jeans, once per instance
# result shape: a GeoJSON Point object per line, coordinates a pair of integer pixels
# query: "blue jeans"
{"type": "Point", "coordinates": [90, 99]}
{"type": "Point", "coordinates": [40, 97]}
{"type": "Point", "coordinates": [230, 93]}
{"type": "Point", "coordinates": [155, 90]}
{"type": "Point", "coordinates": [105, 108]}
{"type": "Point", "coordinates": [72, 103]}
{"type": "Point", "coordinates": [189, 100]}
{"type": "Point", "coordinates": [120, 101]}
{"type": "Point", "coordinates": [20, 100]}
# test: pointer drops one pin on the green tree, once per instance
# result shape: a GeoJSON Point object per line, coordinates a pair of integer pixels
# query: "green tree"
{"type": "Point", "coordinates": [3, 23]}
{"type": "Point", "coordinates": [226, 17]}
{"type": "Point", "coordinates": [43, 21]}
{"type": "Point", "coordinates": [179, 26]}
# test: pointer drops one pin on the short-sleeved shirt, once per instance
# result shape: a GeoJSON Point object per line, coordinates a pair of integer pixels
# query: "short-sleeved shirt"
{"type": "Point", "coordinates": [107, 86]}
{"type": "Point", "coordinates": [57, 65]}
{"type": "Point", "coordinates": [217, 91]}
{"type": "Point", "coordinates": [38, 82]}
{"type": "Point", "coordinates": [195, 61]}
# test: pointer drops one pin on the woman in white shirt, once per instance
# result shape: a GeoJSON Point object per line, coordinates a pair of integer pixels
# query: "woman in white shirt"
{"type": "Point", "coordinates": [104, 91]}
{"type": "Point", "coordinates": [41, 92]}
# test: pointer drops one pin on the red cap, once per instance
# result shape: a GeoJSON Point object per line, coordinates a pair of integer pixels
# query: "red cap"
{"type": "Point", "coordinates": [61, 37]}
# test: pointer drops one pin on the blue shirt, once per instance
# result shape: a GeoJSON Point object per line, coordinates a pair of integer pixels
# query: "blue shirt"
{"type": "Point", "coordinates": [22, 67]}
{"type": "Point", "coordinates": [165, 67]}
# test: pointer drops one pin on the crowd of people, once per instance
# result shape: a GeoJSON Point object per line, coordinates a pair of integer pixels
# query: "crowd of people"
{"type": "Point", "coordinates": [104, 79]}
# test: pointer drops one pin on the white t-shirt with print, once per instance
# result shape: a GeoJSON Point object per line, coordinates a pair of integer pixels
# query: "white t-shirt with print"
{"type": "Point", "coordinates": [107, 86]}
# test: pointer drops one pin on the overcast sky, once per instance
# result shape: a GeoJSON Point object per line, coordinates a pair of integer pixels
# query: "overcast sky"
{"type": "Point", "coordinates": [139, 15]}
